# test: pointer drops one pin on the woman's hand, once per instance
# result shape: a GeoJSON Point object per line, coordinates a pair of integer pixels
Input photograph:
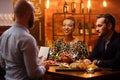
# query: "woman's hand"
{"type": "Point", "coordinates": [66, 57]}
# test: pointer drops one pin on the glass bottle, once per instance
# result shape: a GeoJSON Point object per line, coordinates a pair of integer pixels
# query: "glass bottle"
{"type": "Point", "coordinates": [81, 7]}
{"type": "Point", "coordinates": [93, 28]}
{"type": "Point", "coordinates": [80, 28]}
{"type": "Point", "coordinates": [65, 7]}
{"type": "Point", "coordinates": [87, 28]}
{"type": "Point", "coordinates": [89, 48]}
{"type": "Point", "coordinates": [73, 6]}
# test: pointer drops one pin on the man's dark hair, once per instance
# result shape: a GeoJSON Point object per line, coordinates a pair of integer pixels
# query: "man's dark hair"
{"type": "Point", "coordinates": [108, 19]}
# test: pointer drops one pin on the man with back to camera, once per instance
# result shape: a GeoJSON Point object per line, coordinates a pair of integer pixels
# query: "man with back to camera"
{"type": "Point", "coordinates": [106, 52]}
{"type": "Point", "coordinates": [18, 48]}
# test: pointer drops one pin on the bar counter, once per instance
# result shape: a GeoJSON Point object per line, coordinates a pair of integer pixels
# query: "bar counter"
{"type": "Point", "coordinates": [102, 74]}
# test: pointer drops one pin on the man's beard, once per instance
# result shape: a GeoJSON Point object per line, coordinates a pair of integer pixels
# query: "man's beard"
{"type": "Point", "coordinates": [30, 23]}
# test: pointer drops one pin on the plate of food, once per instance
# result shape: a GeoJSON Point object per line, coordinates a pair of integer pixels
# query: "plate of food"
{"type": "Point", "coordinates": [66, 67]}
{"type": "Point", "coordinates": [75, 66]}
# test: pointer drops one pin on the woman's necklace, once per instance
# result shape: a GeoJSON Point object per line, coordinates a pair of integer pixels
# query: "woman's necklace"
{"type": "Point", "coordinates": [69, 41]}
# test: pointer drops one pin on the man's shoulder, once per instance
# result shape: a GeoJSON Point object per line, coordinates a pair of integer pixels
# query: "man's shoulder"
{"type": "Point", "coordinates": [116, 36]}
{"type": "Point", "coordinates": [119, 35]}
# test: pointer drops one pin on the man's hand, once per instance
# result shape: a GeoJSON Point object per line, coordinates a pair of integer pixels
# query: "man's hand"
{"type": "Point", "coordinates": [45, 64]}
{"type": "Point", "coordinates": [87, 61]}
{"type": "Point", "coordinates": [96, 62]}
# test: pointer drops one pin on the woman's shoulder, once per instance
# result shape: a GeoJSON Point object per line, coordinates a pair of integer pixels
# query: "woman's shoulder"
{"type": "Point", "coordinates": [58, 41]}
{"type": "Point", "coordinates": [78, 40]}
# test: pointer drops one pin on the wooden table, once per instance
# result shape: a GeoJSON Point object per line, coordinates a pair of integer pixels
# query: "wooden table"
{"type": "Point", "coordinates": [102, 74]}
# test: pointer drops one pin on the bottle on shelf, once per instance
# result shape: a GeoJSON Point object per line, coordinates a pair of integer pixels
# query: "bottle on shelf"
{"type": "Point", "coordinates": [86, 28]}
{"type": "Point", "coordinates": [81, 7]}
{"type": "Point", "coordinates": [80, 28]}
{"type": "Point", "coordinates": [73, 6]}
{"type": "Point", "coordinates": [93, 28]}
{"type": "Point", "coordinates": [89, 48]}
{"type": "Point", "coordinates": [65, 7]}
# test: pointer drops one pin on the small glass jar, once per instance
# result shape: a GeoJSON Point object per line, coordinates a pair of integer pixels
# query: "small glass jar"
{"type": "Point", "coordinates": [90, 70]}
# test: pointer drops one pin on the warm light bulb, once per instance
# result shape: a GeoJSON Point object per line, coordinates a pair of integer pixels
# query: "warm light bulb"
{"type": "Point", "coordinates": [104, 3]}
{"type": "Point", "coordinates": [88, 4]}
{"type": "Point", "coordinates": [47, 4]}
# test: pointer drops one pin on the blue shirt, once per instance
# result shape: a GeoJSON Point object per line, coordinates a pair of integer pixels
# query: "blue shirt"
{"type": "Point", "coordinates": [18, 49]}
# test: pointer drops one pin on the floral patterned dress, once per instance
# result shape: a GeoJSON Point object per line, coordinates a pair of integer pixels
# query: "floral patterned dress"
{"type": "Point", "coordinates": [59, 47]}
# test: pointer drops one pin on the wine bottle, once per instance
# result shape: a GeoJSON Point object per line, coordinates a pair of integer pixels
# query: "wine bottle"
{"type": "Point", "coordinates": [80, 28]}
{"type": "Point", "coordinates": [65, 7]}
{"type": "Point", "coordinates": [73, 6]}
{"type": "Point", "coordinates": [89, 48]}
{"type": "Point", "coordinates": [92, 28]}
{"type": "Point", "coordinates": [81, 7]}
{"type": "Point", "coordinates": [87, 28]}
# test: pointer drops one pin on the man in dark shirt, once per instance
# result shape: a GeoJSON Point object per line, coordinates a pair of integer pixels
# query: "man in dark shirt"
{"type": "Point", "coordinates": [106, 52]}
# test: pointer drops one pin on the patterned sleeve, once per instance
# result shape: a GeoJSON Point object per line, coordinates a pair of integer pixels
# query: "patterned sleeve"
{"type": "Point", "coordinates": [82, 50]}
{"type": "Point", "coordinates": [53, 53]}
